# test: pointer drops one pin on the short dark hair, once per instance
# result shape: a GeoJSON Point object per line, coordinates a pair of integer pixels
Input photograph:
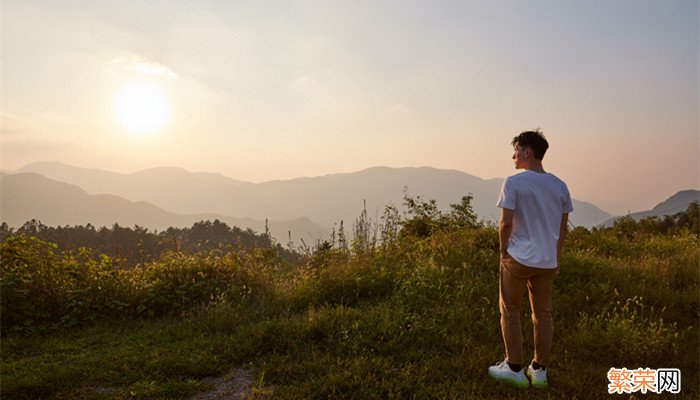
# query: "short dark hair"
{"type": "Point", "coordinates": [535, 140]}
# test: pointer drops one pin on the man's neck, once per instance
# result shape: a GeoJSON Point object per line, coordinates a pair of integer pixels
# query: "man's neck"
{"type": "Point", "coordinates": [535, 166]}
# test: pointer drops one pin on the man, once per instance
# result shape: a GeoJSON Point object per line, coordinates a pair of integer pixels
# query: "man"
{"type": "Point", "coordinates": [535, 210]}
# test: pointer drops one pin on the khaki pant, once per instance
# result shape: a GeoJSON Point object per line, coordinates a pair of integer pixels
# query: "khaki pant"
{"type": "Point", "coordinates": [515, 279]}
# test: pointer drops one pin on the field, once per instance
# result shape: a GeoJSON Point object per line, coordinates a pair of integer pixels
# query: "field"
{"type": "Point", "coordinates": [414, 315]}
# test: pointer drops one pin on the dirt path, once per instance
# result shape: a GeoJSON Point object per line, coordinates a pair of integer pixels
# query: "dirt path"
{"type": "Point", "coordinates": [235, 384]}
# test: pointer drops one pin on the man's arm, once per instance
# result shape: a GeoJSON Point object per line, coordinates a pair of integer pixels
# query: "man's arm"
{"type": "Point", "coordinates": [563, 230]}
{"type": "Point", "coordinates": [505, 227]}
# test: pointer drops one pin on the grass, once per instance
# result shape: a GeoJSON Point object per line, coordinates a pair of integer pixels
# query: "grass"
{"type": "Point", "coordinates": [418, 320]}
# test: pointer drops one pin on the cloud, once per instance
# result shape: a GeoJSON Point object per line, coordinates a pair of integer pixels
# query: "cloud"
{"type": "Point", "coordinates": [151, 68]}
{"type": "Point", "coordinates": [133, 63]}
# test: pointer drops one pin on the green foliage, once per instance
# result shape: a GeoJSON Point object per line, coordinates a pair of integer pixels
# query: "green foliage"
{"type": "Point", "coordinates": [41, 290]}
{"type": "Point", "coordinates": [463, 214]}
{"type": "Point", "coordinates": [626, 331]}
{"type": "Point", "coordinates": [685, 221]}
{"type": "Point", "coordinates": [363, 239]}
{"type": "Point", "coordinates": [414, 316]}
{"type": "Point", "coordinates": [129, 247]}
{"type": "Point", "coordinates": [424, 218]}
{"type": "Point", "coordinates": [391, 224]}
{"type": "Point", "coordinates": [29, 275]}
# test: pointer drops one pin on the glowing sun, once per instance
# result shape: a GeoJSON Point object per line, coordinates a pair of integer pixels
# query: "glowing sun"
{"type": "Point", "coordinates": [141, 107]}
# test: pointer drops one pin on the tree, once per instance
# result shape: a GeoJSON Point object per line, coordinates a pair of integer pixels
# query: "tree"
{"type": "Point", "coordinates": [463, 215]}
{"type": "Point", "coordinates": [423, 217]}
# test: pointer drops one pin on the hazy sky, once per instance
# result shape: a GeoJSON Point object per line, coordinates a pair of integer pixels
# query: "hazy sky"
{"type": "Point", "coordinates": [263, 90]}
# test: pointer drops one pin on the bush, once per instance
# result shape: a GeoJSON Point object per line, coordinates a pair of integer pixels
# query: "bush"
{"type": "Point", "coordinates": [41, 290]}
{"type": "Point", "coordinates": [30, 284]}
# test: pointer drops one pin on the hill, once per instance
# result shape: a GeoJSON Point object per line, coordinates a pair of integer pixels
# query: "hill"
{"type": "Point", "coordinates": [160, 186]}
{"type": "Point", "coordinates": [414, 318]}
{"type": "Point", "coordinates": [324, 199]}
{"type": "Point", "coordinates": [673, 205]}
{"type": "Point", "coordinates": [27, 196]}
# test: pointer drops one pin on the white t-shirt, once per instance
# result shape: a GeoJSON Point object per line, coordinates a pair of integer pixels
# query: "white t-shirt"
{"type": "Point", "coordinates": [539, 201]}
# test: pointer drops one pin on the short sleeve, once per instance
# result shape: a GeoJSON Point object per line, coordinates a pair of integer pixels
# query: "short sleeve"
{"type": "Point", "coordinates": [566, 204]}
{"type": "Point", "coordinates": [508, 196]}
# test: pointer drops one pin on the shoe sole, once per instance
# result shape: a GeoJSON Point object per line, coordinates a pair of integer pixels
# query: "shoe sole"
{"type": "Point", "coordinates": [512, 382]}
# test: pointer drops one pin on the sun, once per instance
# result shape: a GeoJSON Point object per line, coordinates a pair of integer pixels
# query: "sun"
{"type": "Point", "coordinates": [141, 107]}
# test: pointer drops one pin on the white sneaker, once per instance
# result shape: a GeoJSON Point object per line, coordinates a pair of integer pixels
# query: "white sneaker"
{"type": "Point", "coordinates": [538, 377]}
{"type": "Point", "coordinates": [502, 372]}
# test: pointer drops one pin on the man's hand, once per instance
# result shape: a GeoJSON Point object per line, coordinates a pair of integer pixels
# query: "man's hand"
{"type": "Point", "coordinates": [504, 229]}
{"type": "Point", "coordinates": [563, 230]}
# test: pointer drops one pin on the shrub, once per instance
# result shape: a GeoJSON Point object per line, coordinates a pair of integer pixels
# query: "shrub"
{"type": "Point", "coordinates": [30, 285]}
{"type": "Point", "coordinates": [41, 290]}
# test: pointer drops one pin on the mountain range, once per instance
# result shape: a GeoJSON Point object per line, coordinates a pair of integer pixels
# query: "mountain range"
{"type": "Point", "coordinates": [27, 196]}
{"type": "Point", "coordinates": [309, 207]}
{"type": "Point", "coordinates": [326, 200]}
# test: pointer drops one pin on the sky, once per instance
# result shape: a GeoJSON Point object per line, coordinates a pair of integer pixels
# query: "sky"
{"type": "Point", "coordinates": [269, 90]}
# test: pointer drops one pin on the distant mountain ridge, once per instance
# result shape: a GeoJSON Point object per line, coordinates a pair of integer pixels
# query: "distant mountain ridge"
{"type": "Point", "coordinates": [677, 203]}
{"type": "Point", "coordinates": [136, 186]}
{"type": "Point", "coordinates": [27, 196]}
{"type": "Point", "coordinates": [326, 200]}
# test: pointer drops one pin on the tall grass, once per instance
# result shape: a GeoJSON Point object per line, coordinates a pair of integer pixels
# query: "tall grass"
{"type": "Point", "coordinates": [416, 317]}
